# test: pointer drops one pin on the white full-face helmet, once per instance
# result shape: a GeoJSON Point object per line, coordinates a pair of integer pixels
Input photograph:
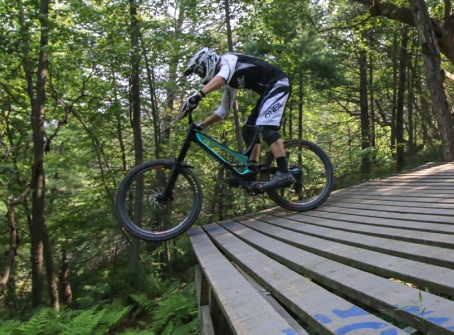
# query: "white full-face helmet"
{"type": "Point", "coordinates": [203, 63]}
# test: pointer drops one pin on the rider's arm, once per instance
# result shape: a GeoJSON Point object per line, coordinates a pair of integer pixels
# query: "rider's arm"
{"type": "Point", "coordinates": [226, 68]}
{"type": "Point", "coordinates": [213, 118]}
{"type": "Point", "coordinates": [227, 101]}
{"type": "Point", "coordinates": [214, 84]}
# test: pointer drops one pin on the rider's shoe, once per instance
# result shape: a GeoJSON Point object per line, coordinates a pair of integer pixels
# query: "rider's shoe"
{"type": "Point", "coordinates": [280, 179]}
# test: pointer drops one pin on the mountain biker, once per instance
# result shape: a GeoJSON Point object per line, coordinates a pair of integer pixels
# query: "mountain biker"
{"type": "Point", "coordinates": [234, 71]}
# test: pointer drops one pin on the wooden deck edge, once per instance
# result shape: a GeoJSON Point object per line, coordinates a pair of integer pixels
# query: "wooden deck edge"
{"type": "Point", "coordinates": [273, 302]}
{"type": "Point", "coordinates": [234, 305]}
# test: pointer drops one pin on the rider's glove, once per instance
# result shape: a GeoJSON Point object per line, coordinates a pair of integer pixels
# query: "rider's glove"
{"type": "Point", "coordinates": [199, 126]}
{"type": "Point", "coordinates": [193, 101]}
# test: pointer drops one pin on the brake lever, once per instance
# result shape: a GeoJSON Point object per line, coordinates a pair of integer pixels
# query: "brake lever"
{"type": "Point", "coordinates": [187, 111]}
{"type": "Point", "coordinates": [184, 110]}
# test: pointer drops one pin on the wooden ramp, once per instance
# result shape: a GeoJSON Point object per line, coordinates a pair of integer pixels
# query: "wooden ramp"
{"type": "Point", "coordinates": [376, 258]}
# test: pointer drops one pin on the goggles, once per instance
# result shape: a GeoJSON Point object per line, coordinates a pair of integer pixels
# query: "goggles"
{"type": "Point", "coordinates": [199, 71]}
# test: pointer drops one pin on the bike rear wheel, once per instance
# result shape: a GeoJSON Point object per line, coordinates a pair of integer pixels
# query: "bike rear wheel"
{"type": "Point", "coordinates": [145, 214]}
{"type": "Point", "coordinates": [313, 173]}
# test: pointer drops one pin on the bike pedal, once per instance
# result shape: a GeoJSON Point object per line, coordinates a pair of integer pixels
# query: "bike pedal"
{"type": "Point", "coordinates": [253, 190]}
{"type": "Point", "coordinates": [257, 186]}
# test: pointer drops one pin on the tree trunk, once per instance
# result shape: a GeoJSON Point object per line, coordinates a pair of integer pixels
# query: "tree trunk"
{"type": "Point", "coordinates": [229, 26]}
{"type": "Point", "coordinates": [50, 271]}
{"type": "Point", "coordinates": [300, 105]}
{"type": "Point", "coordinates": [65, 287]}
{"type": "Point", "coordinates": [37, 95]}
{"type": "Point", "coordinates": [412, 78]}
{"type": "Point", "coordinates": [13, 244]}
{"type": "Point", "coordinates": [400, 147]}
{"type": "Point", "coordinates": [432, 67]}
{"type": "Point", "coordinates": [137, 128]}
{"type": "Point", "coordinates": [395, 84]}
{"type": "Point", "coordinates": [365, 124]}
{"type": "Point", "coordinates": [236, 114]}
{"type": "Point", "coordinates": [371, 103]}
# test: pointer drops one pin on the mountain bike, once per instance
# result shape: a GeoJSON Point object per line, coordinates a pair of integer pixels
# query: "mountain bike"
{"type": "Point", "coordinates": [160, 199]}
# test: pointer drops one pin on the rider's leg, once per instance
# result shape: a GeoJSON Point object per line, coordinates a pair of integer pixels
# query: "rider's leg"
{"type": "Point", "coordinates": [249, 133]}
{"type": "Point", "coordinates": [283, 177]}
{"type": "Point", "coordinates": [255, 154]}
{"type": "Point", "coordinates": [269, 119]}
{"type": "Point", "coordinates": [277, 148]}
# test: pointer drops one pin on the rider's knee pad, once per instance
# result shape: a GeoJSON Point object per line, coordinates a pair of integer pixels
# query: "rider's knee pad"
{"type": "Point", "coordinates": [248, 133]}
{"type": "Point", "coordinates": [269, 134]}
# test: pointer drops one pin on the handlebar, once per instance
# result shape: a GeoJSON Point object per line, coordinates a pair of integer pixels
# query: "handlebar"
{"type": "Point", "coordinates": [187, 112]}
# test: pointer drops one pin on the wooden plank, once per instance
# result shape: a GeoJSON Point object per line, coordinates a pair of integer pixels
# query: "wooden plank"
{"type": "Point", "coordinates": [416, 251]}
{"type": "Point", "coordinates": [398, 301]}
{"type": "Point", "coordinates": [206, 324]}
{"type": "Point", "coordinates": [322, 310]}
{"type": "Point", "coordinates": [430, 234]}
{"type": "Point", "coordinates": [246, 311]}
{"type": "Point", "coordinates": [202, 287]}
{"type": "Point", "coordinates": [409, 231]}
{"type": "Point", "coordinates": [420, 185]}
{"type": "Point", "coordinates": [430, 213]}
{"type": "Point", "coordinates": [426, 203]}
{"type": "Point", "coordinates": [430, 169]}
{"type": "Point", "coordinates": [409, 178]}
{"type": "Point", "coordinates": [406, 199]}
{"type": "Point", "coordinates": [395, 191]}
{"type": "Point", "coordinates": [327, 214]}
{"type": "Point", "coordinates": [219, 319]}
{"type": "Point", "coordinates": [273, 302]}
{"type": "Point", "coordinates": [404, 189]}
{"type": "Point", "coordinates": [411, 331]}
{"type": "Point", "coordinates": [425, 182]}
{"type": "Point", "coordinates": [404, 215]}
{"type": "Point", "coordinates": [435, 278]}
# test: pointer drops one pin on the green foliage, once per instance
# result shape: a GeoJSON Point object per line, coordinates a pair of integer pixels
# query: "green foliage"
{"type": "Point", "coordinates": [176, 312]}
{"type": "Point", "coordinates": [70, 322]}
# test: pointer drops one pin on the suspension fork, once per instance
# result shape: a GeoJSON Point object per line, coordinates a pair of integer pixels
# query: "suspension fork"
{"type": "Point", "coordinates": [178, 164]}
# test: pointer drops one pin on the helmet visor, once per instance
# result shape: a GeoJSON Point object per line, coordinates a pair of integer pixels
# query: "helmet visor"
{"type": "Point", "coordinates": [199, 71]}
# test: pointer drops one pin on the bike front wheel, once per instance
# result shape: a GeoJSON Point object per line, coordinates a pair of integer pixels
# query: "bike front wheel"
{"type": "Point", "coordinates": [142, 210]}
{"type": "Point", "coordinates": [313, 173]}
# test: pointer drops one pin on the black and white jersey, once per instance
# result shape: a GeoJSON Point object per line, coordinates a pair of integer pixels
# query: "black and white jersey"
{"type": "Point", "coordinates": [242, 71]}
{"type": "Point", "coordinates": [247, 72]}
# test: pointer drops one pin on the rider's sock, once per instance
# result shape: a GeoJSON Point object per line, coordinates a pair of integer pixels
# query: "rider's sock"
{"type": "Point", "coordinates": [282, 164]}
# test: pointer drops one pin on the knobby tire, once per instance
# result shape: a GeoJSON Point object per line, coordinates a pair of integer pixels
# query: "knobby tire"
{"type": "Point", "coordinates": [313, 172]}
{"type": "Point", "coordinates": [144, 215]}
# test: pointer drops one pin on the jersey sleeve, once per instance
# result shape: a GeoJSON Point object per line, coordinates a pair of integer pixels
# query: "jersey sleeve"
{"type": "Point", "coordinates": [228, 66]}
{"type": "Point", "coordinates": [227, 101]}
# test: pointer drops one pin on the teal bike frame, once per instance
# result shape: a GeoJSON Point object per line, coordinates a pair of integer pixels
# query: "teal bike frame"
{"type": "Point", "coordinates": [216, 150]}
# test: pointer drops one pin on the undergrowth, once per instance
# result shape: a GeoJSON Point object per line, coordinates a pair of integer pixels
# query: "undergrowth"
{"type": "Point", "coordinates": [175, 312]}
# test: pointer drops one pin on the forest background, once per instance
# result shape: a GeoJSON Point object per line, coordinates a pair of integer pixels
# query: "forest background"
{"type": "Point", "coordinates": [90, 88]}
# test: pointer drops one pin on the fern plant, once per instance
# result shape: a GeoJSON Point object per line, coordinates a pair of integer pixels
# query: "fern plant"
{"type": "Point", "coordinates": [94, 321]}
{"type": "Point", "coordinates": [176, 312]}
